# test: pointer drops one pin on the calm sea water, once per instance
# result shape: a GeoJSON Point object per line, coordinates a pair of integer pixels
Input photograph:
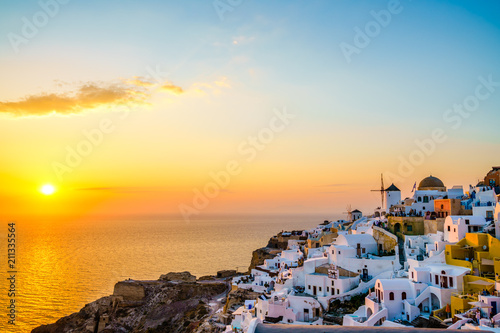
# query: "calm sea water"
{"type": "Point", "coordinates": [64, 264]}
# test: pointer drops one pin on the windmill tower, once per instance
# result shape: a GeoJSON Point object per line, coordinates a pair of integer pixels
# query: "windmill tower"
{"type": "Point", "coordinates": [349, 213]}
{"type": "Point", "coordinates": [382, 190]}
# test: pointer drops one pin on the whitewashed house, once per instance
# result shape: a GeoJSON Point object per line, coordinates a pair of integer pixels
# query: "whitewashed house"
{"type": "Point", "coordinates": [484, 202]}
{"type": "Point", "coordinates": [289, 308]}
{"type": "Point", "coordinates": [287, 258]}
{"type": "Point", "coordinates": [358, 253]}
{"type": "Point", "coordinates": [455, 227]}
{"type": "Point", "coordinates": [425, 245]}
{"type": "Point", "coordinates": [326, 280]}
{"type": "Point", "coordinates": [429, 286]}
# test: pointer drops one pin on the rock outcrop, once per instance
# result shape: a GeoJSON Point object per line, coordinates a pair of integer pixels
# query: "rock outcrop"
{"type": "Point", "coordinates": [165, 306]}
{"type": "Point", "coordinates": [226, 273]}
{"type": "Point", "coordinates": [178, 276]}
{"type": "Point", "coordinates": [259, 255]}
{"type": "Point", "coordinates": [130, 290]}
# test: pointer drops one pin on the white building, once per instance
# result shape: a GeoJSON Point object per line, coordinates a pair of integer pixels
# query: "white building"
{"type": "Point", "coordinates": [430, 189]}
{"type": "Point", "coordinates": [392, 197]}
{"type": "Point", "coordinates": [428, 287]}
{"type": "Point", "coordinates": [356, 215]}
{"type": "Point", "coordinates": [287, 258]}
{"type": "Point", "coordinates": [426, 245]}
{"type": "Point", "coordinates": [484, 202]}
{"type": "Point", "coordinates": [455, 227]}
{"type": "Point", "coordinates": [289, 308]}
{"type": "Point", "coordinates": [497, 221]}
{"type": "Point", "coordinates": [327, 280]}
{"type": "Point", "coordinates": [358, 253]}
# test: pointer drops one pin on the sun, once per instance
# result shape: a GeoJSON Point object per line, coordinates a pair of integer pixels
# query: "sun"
{"type": "Point", "coordinates": [48, 189]}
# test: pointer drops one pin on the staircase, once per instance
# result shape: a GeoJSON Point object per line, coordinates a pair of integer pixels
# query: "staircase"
{"type": "Point", "coordinates": [401, 251]}
{"type": "Point", "coordinates": [420, 322]}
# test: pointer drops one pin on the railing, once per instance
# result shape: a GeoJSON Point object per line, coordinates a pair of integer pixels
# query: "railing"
{"type": "Point", "coordinates": [472, 297]}
{"type": "Point", "coordinates": [440, 313]}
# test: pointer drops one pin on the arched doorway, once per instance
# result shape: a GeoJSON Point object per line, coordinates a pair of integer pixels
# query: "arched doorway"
{"type": "Point", "coordinates": [369, 312]}
{"type": "Point", "coordinates": [435, 304]}
{"type": "Point", "coordinates": [397, 227]}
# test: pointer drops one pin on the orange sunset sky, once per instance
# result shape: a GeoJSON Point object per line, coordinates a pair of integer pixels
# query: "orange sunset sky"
{"type": "Point", "coordinates": [130, 109]}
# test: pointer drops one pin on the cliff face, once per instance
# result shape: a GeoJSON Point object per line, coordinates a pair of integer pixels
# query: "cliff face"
{"type": "Point", "coordinates": [140, 306]}
{"type": "Point", "coordinates": [259, 255]}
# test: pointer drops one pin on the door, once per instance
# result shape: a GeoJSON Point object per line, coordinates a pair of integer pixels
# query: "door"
{"type": "Point", "coordinates": [494, 308]}
{"type": "Point", "coordinates": [306, 314]}
{"type": "Point", "coordinates": [314, 290]}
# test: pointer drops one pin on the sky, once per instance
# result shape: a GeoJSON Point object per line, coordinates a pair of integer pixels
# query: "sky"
{"type": "Point", "coordinates": [209, 107]}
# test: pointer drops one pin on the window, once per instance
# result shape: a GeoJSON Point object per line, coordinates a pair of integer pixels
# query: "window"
{"type": "Point", "coordinates": [426, 199]}
{"type": "Point", "coordinates": [338, 291]}
{"type": "Point", "coordinates": [363, 250]}
{"type": "Point", "coordinates": [436, 278]}
{"type": "Point", "coordinates": [409, 228]}
{"type": "Point", "coordinates": [419, 199]}
{"type": "Point", "coordinates": [442, 206]}
{"type": "Point", "coordinates": [327, 289]}
{"type": "Point", "coordinates": [333, 252]}
{"type": "Point", "coordinates": [339, 251]}
{"type": "Point", "coordinates": [309, 287]}
{"type": "Point", "coordinates": [412, 275]}
{"type": "Point", "coordinates": [319, 288]}
{"type": "Point", "coordinates": [449, 229]}
{"type": "Point", "coordinates": [403, 295]}
{"type": "Point", "coordinates": [391, 296]}
{"type": "Point", "coordinates": [333, 283]}
{"type": "Point", "coordinates": [451, 282]}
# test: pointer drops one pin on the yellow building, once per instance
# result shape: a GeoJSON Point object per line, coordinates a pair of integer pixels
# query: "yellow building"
{"type": "Point", "coordinates": [481, 254]}
{"type": "Point", "coordinates": [324, 238]}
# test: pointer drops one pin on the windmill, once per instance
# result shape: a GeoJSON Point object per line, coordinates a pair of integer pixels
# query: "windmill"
{"type": "Point", "coordinates": [349, 213]}
{"type": "Point", "coordinates": [382, 190]}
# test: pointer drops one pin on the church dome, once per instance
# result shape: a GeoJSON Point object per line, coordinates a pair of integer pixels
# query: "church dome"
{"type": "Point", "coordinates": [431, 183]}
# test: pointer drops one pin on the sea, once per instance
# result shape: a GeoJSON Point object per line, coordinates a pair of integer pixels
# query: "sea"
{"type": "Point", "coordinates": [64, 263]}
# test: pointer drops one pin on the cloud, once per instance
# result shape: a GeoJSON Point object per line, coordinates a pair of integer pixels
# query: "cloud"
{"type": "Point", "coordinates": [88, 96]}
{"type": "Point", "coordinates": [93, 95]}
{"type": "Point", "coordinates": [173, 89]}
{"type": "Point", "coordinates": [140, 82]}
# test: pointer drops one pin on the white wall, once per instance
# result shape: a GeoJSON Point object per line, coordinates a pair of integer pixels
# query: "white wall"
{"type": "Point", "coordinates": [392, 198]}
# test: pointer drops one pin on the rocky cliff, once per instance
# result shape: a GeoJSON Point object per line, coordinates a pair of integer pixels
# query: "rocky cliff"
{"type": "Point", "coordinates": [259, 255]}
{"type": "Point", "coordinates": [172, 304]}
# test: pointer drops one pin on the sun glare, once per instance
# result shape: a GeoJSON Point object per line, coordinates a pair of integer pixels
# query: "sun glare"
{"type": "Point", "coordinates": [47, 189]}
